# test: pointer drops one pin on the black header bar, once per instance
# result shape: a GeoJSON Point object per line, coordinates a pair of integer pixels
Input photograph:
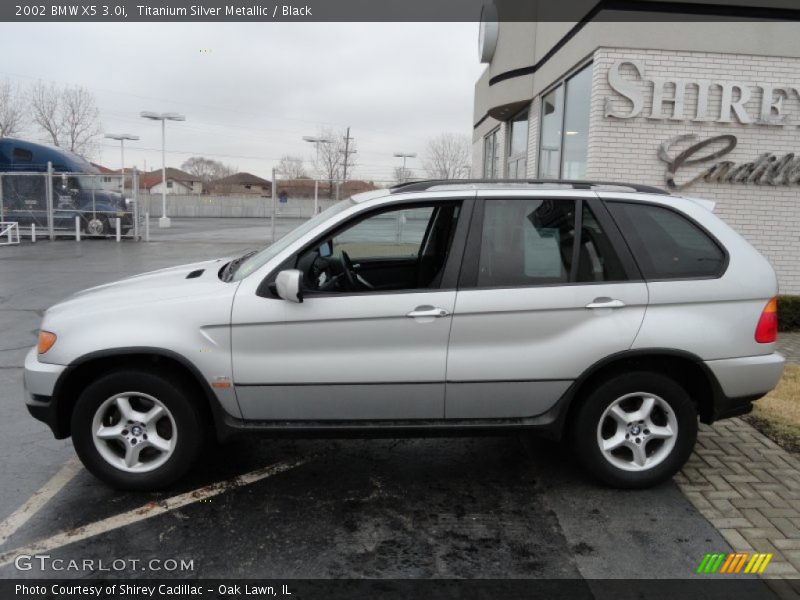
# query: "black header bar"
{"type": "Point", "coordinates": [151, 11]}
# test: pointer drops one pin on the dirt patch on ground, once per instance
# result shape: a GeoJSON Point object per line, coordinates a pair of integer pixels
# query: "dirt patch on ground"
{"type": "Point", "coordinates": [777, 415]}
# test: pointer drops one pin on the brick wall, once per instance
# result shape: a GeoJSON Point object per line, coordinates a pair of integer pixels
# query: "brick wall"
{"type": "Point", "coordinates": [626, 149]}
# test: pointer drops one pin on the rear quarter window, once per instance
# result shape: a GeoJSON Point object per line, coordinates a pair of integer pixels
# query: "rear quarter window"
{"type": "Point", "coordinates": [666, 244]}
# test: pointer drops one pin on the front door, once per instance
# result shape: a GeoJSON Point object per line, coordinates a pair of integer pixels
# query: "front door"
{"type": "Point", "coordinates": [548, 290]}
{"type": "Point", "coordinates": [369, 340]}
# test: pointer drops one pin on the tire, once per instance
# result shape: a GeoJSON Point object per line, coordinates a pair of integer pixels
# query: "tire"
{"type": "Point", "coordinates": [134, 452]}
{"type": "Point", "coordinates": [98, 225]}
{"type": "Point", "coordinates": [639, 452]}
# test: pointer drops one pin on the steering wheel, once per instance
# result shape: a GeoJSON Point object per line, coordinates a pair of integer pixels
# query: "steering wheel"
{"type": "Point", "coordinates": [354, 280]}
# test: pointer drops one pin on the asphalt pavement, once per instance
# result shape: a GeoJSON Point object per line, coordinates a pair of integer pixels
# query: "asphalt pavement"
{"type": "Point", "coordinates": [481, 507]}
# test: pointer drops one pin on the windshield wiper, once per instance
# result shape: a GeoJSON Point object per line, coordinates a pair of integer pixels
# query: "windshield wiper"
{"type": "Point", "coordinates": [231, 267]}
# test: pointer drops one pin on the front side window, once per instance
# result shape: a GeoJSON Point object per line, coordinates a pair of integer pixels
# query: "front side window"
{"type": "Point", "coordinates": [251, 262]}
{"type": "Point", "coordinates": [399, 249]}
{"type": "Point", "coordinates": [666, 244]}
{"type": "Point", "coordinates": [518, 146]}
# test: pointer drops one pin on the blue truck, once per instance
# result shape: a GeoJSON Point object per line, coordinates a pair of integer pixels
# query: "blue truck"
{"type": "Point", "coordinates": [75, 190]}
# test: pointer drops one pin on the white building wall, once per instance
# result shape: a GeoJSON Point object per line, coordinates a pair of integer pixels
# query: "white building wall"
{"type": "Point", "coordinates": [626, 149]}
{"type": "Point", "coordinates": [177, 188]}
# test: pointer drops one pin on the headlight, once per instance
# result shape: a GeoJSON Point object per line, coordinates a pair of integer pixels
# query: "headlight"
{"type": "Point", "coordinates": [46, 341]}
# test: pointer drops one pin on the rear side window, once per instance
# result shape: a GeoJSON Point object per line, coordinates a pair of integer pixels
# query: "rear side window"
{"type": "Point", "coordinates": [666, 244]}
{"type": "Point", "coordinates": [526, 242]}
{"type": "Point", "coordinates": [20, 154]}
{"type": "Point", "coordinates": [597, 259]}
{"type": "Point", "coordinates": [532, 242]}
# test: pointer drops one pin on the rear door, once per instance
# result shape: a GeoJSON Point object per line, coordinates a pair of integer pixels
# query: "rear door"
{"type": "Point", "coordinates": [547, 289]}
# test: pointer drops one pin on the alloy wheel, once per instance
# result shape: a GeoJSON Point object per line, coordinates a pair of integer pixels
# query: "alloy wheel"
{"type": "Point", "coordinates": [134, 432]}
{"type": "Point", "coordinates": [637, 431]}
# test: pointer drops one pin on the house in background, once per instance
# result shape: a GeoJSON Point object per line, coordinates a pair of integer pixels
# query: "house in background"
{"type": "Point", "coordinates": [241, 184]}
{"type": "Point", "coordinates": [108, 179]}
{"type": "Point", "coordinates": [303, 187]}
{"type": "Point", "coordinates": [177, 182]}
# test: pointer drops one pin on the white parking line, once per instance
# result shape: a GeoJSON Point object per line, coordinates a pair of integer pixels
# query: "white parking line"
{"type": "Point", "coordinates": [153, 509]}
{"type": "Point", "coordinates": [20, 516]}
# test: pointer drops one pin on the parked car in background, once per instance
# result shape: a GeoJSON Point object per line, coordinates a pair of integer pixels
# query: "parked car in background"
{"type": "Point", "coordinates": [75, 189]}
{"type": "Point", "coordinates": [613, 316]}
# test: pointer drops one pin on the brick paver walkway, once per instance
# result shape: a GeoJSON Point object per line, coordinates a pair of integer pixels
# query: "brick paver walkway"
{"type": "Point", "coordinates": [789, 346]}
{"type": "Point", "coordinates": [748, 487]}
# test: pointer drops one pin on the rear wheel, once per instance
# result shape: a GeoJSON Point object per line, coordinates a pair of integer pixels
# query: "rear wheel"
{"type": "Point", "coordinates": [635, 430]}
{"type": "Point", "coordinates": [137, 430]}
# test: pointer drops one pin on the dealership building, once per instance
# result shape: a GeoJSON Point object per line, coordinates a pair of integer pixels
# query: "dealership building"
{"type": "Point", "coordinates": [702, 109]}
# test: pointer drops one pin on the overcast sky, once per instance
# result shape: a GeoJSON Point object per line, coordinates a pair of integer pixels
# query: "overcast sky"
{"type": "Point", "coordinates": [258, 88]}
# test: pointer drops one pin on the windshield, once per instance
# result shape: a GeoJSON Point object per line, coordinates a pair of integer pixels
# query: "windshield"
{"type": "Point", "coordinates": [259, 259]}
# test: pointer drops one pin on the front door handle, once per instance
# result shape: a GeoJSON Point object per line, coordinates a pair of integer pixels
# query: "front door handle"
{"type": "Point", "coordinates": [605, 303]}
{"type": "Point", "coordinates": [427, 311]}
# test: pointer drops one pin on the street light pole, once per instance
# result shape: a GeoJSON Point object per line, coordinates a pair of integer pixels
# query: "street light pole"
{"type": "Point", "coordinates": [163, 117]}
{"type": "Point", "coordinates": [404, 156]}
{"type": "Point", "coordinates": [121, 137]}
{"type": "Point", "coordinates": [316, 141]}
{"type": "Point", "coordinates": [164, 220]}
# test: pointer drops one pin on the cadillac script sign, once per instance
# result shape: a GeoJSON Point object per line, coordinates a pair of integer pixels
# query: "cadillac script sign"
{"type": "Point", "coordinates": [699, 162]}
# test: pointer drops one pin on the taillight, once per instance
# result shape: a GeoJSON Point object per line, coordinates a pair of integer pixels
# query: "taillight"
{"type": "Point", "coordinates": [767, 328]}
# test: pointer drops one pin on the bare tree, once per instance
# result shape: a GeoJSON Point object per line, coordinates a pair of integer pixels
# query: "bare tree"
{"type": "Point", "coordinates": [67, 115]}
{"type": "Point", "coordinates": [80, 120]}
{"type": "Point", "coordinates": [402, 174]}
{"type": "Point", "coordinates": [45, 105]}
{"type": "Point", "coordinates": [207, 170]}
{"type": "Point", "coordinates": [11, 111]}
{"type": "Point", "coordinates": [329, 163]}
{"type": "Point", "coordinates": [291, 167]}
{"type": "Point", "coordinates": [446, 156]}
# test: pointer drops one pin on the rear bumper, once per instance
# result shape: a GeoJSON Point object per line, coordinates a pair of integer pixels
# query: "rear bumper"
{"type": "Point", "coordinates": [39, 381]}
{"type": "Point", "coordinates": [744, 380]}
{"type": "Point", "coordinates": [748, 375]}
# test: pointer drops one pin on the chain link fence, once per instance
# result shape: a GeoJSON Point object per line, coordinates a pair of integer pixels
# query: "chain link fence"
{"type": "Point", "coordinates": [61, 204]}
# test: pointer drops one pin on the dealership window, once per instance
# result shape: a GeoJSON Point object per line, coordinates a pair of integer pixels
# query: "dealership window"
{"type": "Point", "coordinates": [491, 155]}
{"type": "Point", "coordinates": [564, 136]}
{"type": "Point", "coordinates": [518, 146]}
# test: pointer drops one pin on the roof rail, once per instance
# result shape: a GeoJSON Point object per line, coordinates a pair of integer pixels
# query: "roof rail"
{"type": "Point", "coordinates": [421, 186]}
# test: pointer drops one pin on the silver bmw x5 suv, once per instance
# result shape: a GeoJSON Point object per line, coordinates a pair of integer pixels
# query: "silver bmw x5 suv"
{"type": "Point", "coordinates": [613, 316]}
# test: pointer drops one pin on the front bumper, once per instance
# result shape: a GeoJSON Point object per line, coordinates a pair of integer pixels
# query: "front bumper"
{"type": "Point", "coordinates": [39, 381]}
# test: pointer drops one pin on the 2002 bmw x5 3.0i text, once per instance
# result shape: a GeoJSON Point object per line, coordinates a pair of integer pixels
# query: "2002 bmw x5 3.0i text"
{"type": "Point", "coordinates": [614, 316]}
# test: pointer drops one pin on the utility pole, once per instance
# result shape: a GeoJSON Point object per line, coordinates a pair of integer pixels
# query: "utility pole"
{"type": "Point", "coordinates": [347, 153]}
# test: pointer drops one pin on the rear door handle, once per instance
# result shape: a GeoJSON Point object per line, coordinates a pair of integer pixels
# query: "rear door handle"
{"type": "Point", "coordinates": [427, 311]}
{"type": "Point", "coordinates": [605, 303]}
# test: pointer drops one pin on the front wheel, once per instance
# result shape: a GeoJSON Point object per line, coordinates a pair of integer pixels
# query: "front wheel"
{"type": "Point", "coordinates": [635, 430]}
{"type": "Point", "coordinates": [137, 430]}
{"type": "Point", "coordinates": [97, 225]}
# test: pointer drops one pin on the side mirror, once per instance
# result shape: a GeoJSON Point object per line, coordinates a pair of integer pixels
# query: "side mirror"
{"type": "Point", "coordinates": [289, 285]}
